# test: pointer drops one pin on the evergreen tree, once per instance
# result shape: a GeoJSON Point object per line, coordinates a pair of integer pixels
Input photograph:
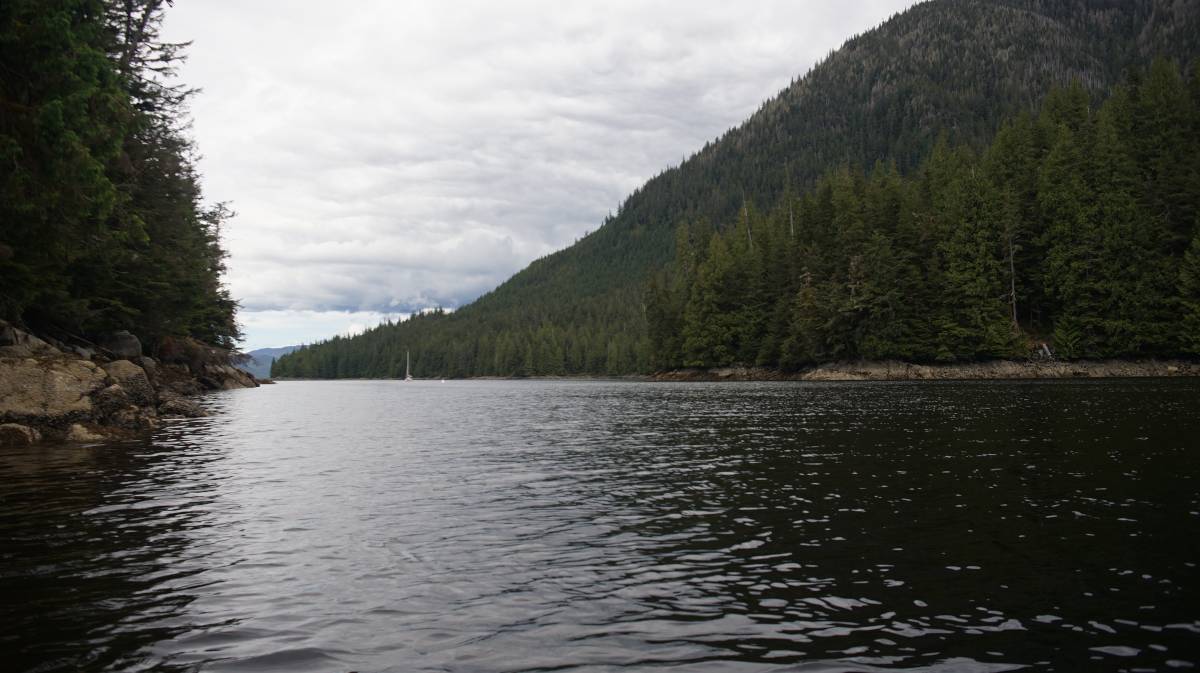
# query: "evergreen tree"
{"type": "Point", "coordinates": [1189, 297]}
{"type": "Point", "coordinates": [103, 222]}
{"type": "Point", "coordinates": [711, 327]}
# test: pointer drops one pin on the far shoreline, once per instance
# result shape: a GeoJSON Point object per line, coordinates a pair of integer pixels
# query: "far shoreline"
{"type": "Point", "coordinates": [989, 370]}
{"type": "Point", "coordinates": [879, 370]}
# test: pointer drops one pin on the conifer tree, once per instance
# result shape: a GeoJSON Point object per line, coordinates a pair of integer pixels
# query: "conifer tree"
{"type": "Point", "coordinates": [1189, 297]}
{"type": "Point", "coordinates": [711, 319]}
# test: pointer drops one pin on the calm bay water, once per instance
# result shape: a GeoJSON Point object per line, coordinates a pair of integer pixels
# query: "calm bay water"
{"type": "Point", "coordinates": [604, 526]}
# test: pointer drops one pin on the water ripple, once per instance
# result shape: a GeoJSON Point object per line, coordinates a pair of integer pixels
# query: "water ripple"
{"type": "Point", "coordinates": [609, 526]}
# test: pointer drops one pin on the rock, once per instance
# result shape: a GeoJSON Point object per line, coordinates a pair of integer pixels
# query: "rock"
{"type": "Point", "coordinates": [85, 353]}
{"type": "Point", "coordinates": [179, 406]}
{"type": "Point", "coordinates": [14, 434]}
{"type": "Point", "coordinates": [110, 400]}
{"type": "Point", "coordinates": [17, 343]}
{"type": "Point", "coordinates": [226, 377]}
{"type": "Point", "coordinates": [134, 380]}
{"type": "Point", "coordinates": [79, 432]}
{"type": "Point", "coordinates": [122, 344]}
{"type": "Point", "coordinates": [208, 383]}
{"type": "Point", "coordinates": [149, 366]}
{"type": "Point", "coordinates": [185, 387]}
{"type": "Point", "coordinates": [175, 379]}
{"type": "Point", "coordinates": [135, 418]}
{"type": "Point", "coordinates": [8, 334]}
{"type": "Point", "coordinates": [52, 390]}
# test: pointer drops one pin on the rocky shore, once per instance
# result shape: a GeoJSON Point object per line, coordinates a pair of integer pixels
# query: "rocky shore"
{"type": "Point", "coordinates": [892, 370]}
{"type": "Point", "coordinates": [55, 391]}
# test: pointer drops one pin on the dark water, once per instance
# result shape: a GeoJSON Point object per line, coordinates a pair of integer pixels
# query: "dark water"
{"type": "Point", "coordinates": [600, 526]}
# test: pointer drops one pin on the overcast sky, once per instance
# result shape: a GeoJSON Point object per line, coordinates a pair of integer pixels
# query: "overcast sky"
{"type": "Point", "coordinates": [385, 157]}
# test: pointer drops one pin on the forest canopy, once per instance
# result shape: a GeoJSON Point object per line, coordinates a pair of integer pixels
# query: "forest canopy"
{"type": "Point", "coordinates": [1076, 228]}
{"type": "Point", "coordinates": [102, 222]}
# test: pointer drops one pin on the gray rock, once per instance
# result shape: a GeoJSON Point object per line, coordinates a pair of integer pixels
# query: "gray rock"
{"type": "Point", "coordinates": [85, 353]}
{"type": "Point", "coordinates": [226, 377]}
{"type": "Point", "coordinates": [52, 390]}
{"type": "Point", "coordinates": [183, 387]}
{"type": "Point", "coordinates": [13, 434]}
{"type": "Point", "coordinates": [16, 343]}
{"type": "Point", "coordinates": [149, 366]}
{"type": "Point", "coordinates": [179, 406]}
{"type": "Point", "coordinates": [121, 344]}
{"type": "Point", "coordinates": [134, 380]}
{"type": "Point", "coordinates": [135, 418]}
{"type": "Point", "coordinates": [111, 401]}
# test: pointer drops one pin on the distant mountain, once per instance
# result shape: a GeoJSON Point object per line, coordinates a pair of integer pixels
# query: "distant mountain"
{"type": "Point", "coordinates": [952, 68]}
{"type": "Point", "coordinates": [261, 359]}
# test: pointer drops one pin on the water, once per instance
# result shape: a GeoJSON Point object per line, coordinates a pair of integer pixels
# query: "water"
{"type": "Point", "coordinates": [604, 526]}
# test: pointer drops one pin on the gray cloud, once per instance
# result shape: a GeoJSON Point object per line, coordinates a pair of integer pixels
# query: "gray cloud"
{"type": "Point", "coordinates": [385, 157]}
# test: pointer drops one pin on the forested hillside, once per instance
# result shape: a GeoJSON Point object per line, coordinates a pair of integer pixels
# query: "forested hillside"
{"type": "Point", "coordinates": [948, 69]}
{"type": "Point", "coordinates": [1075, 227]}
{"type": "Point", "coordinates": [101, 222]}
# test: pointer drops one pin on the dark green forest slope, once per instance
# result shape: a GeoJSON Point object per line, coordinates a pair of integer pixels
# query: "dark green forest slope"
{"type": "Point", "coordinates": [948, 68]}
{"type": "Point", "coordinates": [101, 222]}
{"type": "Point", "coordinates": [1076, 226]}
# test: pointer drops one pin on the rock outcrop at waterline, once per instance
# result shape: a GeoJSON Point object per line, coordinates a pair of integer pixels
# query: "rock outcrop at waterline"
{"type": "Point", "coordinates": [54, 392]}
{"type": "Point", "coordinates": [892, 370]}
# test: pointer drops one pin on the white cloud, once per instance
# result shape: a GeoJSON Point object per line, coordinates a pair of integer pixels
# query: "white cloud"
{"type": "Point", "coordinates": [293, 327]}
{"type": "Point", "coordinates": [384, 156]}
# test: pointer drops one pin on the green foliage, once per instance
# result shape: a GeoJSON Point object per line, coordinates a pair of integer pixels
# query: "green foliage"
{"type": "Point", "coordinates": [941, 284]}
{"type": "Point", "coordinates": [1189, 296]}
{"type": "Point", "coordinates": [103, 226]}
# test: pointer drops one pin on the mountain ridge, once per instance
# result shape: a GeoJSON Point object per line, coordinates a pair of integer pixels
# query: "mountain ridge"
{"type": "Point", "coordinates": [261, 360]}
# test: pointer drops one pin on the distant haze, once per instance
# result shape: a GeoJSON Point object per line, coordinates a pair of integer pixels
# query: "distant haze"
{"type": "Point", "coordinates": [388, 157]}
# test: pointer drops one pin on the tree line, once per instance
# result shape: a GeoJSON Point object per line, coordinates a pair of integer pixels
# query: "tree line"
{"type": "Point", "coordinates": [1075, 228]}
{"type": "Point", "coordinates": [102, 222]}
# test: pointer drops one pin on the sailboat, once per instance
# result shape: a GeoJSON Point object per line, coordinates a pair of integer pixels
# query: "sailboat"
{"type": "Point", "coordinates": [407, 371]}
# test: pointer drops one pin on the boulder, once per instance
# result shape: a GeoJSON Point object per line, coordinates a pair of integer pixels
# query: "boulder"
{"type": "Point", "coordinates": [181, 406]}
{"type": "Point", "coordinates": [79, 432]}
{"type": "Point", "coordinates": [177, 380]}
{"type": "Point", "coordinates": [135, 418]}
{"type": "Point", "coordinates": [134, 380]}
{"type": "Point", "coordinates": [149, 366]}
{"type": "Point", "coordinates": [14, 434]}
{"type": "Point", "coordinates": [111, 401]}
{"type": "Point", "coordinates": [122, 344]}
{"type": "Point", "coordinates": [17, 343]}
{"type": "Point", "coordinates": [50, 390]}
{"type": "Point", "coordinates": [227, 377]}
{"type": "Point", "coordinates": [9, 335]}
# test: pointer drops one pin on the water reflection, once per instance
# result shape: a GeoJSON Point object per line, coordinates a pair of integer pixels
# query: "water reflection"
{"type": "Point", "coordinates": [97, 564]}
{"type": "Point", "coordinates": [585, 526]}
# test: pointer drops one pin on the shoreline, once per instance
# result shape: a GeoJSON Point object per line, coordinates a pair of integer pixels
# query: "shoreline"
{"type": "Point", "coordinates": [992, 370]}
{"type": "Point", "coordinates": [876, 370]}
{"type": "Point", "coordinates": [51, 391]}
